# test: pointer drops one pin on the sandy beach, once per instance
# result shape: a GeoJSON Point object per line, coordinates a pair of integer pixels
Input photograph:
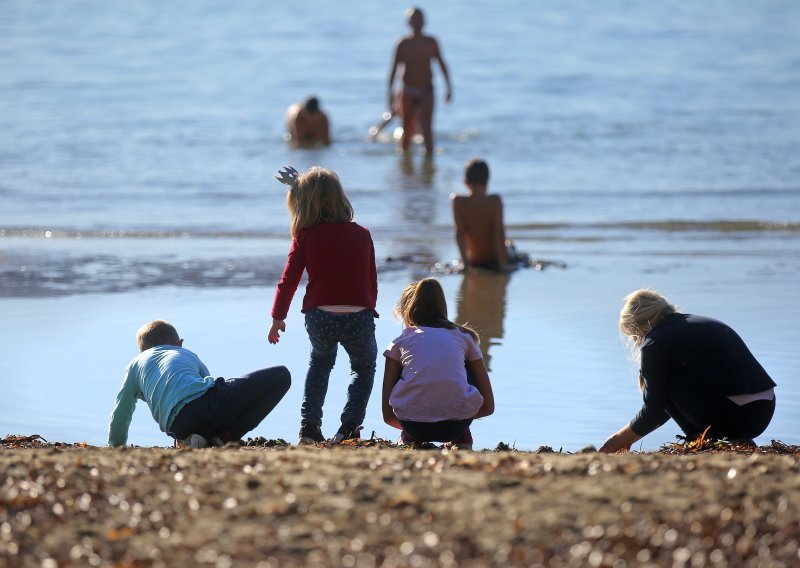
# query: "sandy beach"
{"type": "Point", "coordinates": [379, 506]}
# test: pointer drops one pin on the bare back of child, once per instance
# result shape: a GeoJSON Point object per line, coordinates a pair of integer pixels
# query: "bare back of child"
{"type": "Point", "coordinates": [478, 217]}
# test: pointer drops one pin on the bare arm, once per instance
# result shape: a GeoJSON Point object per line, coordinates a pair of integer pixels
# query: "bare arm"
{"type": "Point", "coordinates": [325, 132]}
{"type": "Point", "coordinates": [302, 128]}
{"type": "Point", "coordinates": [443, 66]}
{"type": "Point", "coordinates": [484, 387]}
{"type": "Point", "coordinates": [391, 375]}
{"type": "Point", "coordinates": [392, 73]}
{"type": "Point", "coordinates": [291, 122]}
{"type": "Point", "coordinates": [500, 235]}
{"type": "Point", "coordinates": [620, 440]}
{"type": "Point", "coordinates": [459, 229]}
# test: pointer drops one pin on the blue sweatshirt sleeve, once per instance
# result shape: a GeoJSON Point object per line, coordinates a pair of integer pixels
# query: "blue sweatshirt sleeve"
{"type": "Point", "coordinates": [204, 372]}
{"type": "Point", "coordinates": [123, 410]}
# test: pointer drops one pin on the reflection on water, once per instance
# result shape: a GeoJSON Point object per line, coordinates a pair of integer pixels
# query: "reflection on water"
{"type": "Point", "coordinates": [481, 304]}
{"type": "Point", "coordinates": [419, 197]}
{"type": "Point", "coordinates": [413, 184]}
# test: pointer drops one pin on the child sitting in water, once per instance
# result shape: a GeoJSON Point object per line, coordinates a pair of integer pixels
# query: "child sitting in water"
{"type": "Point", "coordinates": [478, 217]}
{"type": "Point", "coordinates": [185, 400]}
{"type": "Point", "coordinates": [435, 383]}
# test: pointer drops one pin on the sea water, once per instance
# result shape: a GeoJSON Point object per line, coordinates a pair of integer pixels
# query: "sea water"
{"type": "Point", "coordinates": [639, 144]}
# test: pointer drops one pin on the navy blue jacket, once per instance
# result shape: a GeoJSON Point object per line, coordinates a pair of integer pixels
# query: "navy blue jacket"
{"type": "Point", "coordinates": [687, 354]}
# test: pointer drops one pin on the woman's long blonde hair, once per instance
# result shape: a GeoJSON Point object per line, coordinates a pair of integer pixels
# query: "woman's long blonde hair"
{"type": "Point", "coordinates": [317, 197]}
{"type": "Point", "coordinates": [641, 311]}
{"type": "Point", "coordinates": [423, 303]}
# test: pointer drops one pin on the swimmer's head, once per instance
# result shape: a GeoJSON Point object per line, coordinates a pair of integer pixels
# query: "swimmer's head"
{"type": "Point", "coordinates": [311, 104]}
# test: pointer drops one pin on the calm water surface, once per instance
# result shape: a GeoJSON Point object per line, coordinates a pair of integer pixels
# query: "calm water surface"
{"type": "Point", "coordinates": [645, 144]}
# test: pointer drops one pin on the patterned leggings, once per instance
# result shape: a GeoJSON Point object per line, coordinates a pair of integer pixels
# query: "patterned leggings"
{"type": "Point", "coordinates": [356, 333]}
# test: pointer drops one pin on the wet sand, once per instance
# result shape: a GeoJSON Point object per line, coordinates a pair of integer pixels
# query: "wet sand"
{"type": "Point", "coordinates": [381, 506]}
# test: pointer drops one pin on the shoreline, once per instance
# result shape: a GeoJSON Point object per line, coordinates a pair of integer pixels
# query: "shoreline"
{"type": "Point", "coordinates": [526, 335]}
{"type": "Point", "coordinates": [384, 506]}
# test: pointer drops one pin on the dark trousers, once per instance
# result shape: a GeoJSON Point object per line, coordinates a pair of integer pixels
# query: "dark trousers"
{"type": "Point", "coordinates": [232, 408]}
{"type": "Point", "coordinates": [356, 333]}
{"type": "Point", "coordinates": [726, 418]}
{"type": "Point", "coordinates": [444, 431]}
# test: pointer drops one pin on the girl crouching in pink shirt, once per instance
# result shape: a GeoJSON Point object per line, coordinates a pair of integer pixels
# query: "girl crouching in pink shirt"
{"type": "Point", "coordinates": [435, 383]}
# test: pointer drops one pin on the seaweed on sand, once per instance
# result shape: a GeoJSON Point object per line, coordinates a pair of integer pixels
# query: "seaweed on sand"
{"type": "Point", "coordinates": [705, 444]}
{"type": "Point", "coordinates": [18, 441]}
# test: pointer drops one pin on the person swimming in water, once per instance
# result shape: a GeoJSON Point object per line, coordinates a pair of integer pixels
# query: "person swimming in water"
{"type": "Point", "coordinates": [307, 124]}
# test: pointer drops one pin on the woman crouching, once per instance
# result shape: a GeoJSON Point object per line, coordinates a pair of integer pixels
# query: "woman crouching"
{"type": "Point", "coordinates": [695, 370]}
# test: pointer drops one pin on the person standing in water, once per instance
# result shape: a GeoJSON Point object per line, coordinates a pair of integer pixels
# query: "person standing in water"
{"type": "Point", "coordinates": [415, 53]}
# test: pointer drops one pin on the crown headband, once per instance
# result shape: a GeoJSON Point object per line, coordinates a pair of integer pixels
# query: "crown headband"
{"type": "Point", "coordinates": [287, 175]}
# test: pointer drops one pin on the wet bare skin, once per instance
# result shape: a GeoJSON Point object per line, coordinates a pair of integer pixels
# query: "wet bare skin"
{"type": "Point", "coordinates": [306, 128]}
{"type": "Point", "coordinates": [415, 53]}
{"type": "Point", "coordinates": [480, 234]}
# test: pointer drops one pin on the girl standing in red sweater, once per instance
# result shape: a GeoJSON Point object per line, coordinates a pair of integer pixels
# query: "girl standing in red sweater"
{"type": "Point", "coordinates": [339, 304]}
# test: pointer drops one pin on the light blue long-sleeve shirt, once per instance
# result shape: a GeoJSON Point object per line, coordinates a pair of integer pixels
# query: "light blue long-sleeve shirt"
{"type": "Point", "coordinates": [166, 377]}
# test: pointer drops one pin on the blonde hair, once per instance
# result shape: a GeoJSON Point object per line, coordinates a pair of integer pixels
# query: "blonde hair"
{"type": "Point", "coordinates": [157, 332]}
{"type": "Point", "coordinates": [641, 311]}
{"type": "Point", "coordinates": [317, 197]}
{"type": "Point", "coordinates": [423, 303]}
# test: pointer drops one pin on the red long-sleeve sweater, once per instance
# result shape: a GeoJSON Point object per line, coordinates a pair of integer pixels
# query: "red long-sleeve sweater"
{"type": "Point", "coordinates": [340, 260]}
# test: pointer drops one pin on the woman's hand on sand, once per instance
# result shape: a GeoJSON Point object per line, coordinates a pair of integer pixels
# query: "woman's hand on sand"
{"type": "Point", "coordinates": [620, 441]}
{"type": "Point", "coordinates": [273, 335]}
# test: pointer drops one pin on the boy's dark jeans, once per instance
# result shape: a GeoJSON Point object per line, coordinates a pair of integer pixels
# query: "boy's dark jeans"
{"type": "Point", "coordinates": [231, 408]}
{"type": "Point", "coordinates": [356, 333]}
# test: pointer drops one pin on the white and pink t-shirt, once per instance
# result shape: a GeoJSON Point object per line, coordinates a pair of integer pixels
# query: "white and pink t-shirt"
{"type": "Point", "coordinates": [433, 384]}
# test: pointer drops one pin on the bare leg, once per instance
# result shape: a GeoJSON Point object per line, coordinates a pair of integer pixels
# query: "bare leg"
{"type": "Point", "coordinates": [409, 116]}
{"type": "Point", "coordinates": [425, 107]}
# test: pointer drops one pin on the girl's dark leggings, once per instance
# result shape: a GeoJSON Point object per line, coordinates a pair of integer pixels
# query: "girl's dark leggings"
{"type": "Point", "coordinates": [232, 408]}
{"type": "Point", "coordinates": [725, 417]}
{"type": "Point", "coordinates": [444, 431]}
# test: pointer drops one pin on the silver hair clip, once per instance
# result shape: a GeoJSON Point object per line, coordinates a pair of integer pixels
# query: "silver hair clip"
{"type": "Point", "coordinates": [287, 175]}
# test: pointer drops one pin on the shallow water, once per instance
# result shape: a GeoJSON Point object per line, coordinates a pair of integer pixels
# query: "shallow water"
{"type": "Point", "coordinates": [644, 145]}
